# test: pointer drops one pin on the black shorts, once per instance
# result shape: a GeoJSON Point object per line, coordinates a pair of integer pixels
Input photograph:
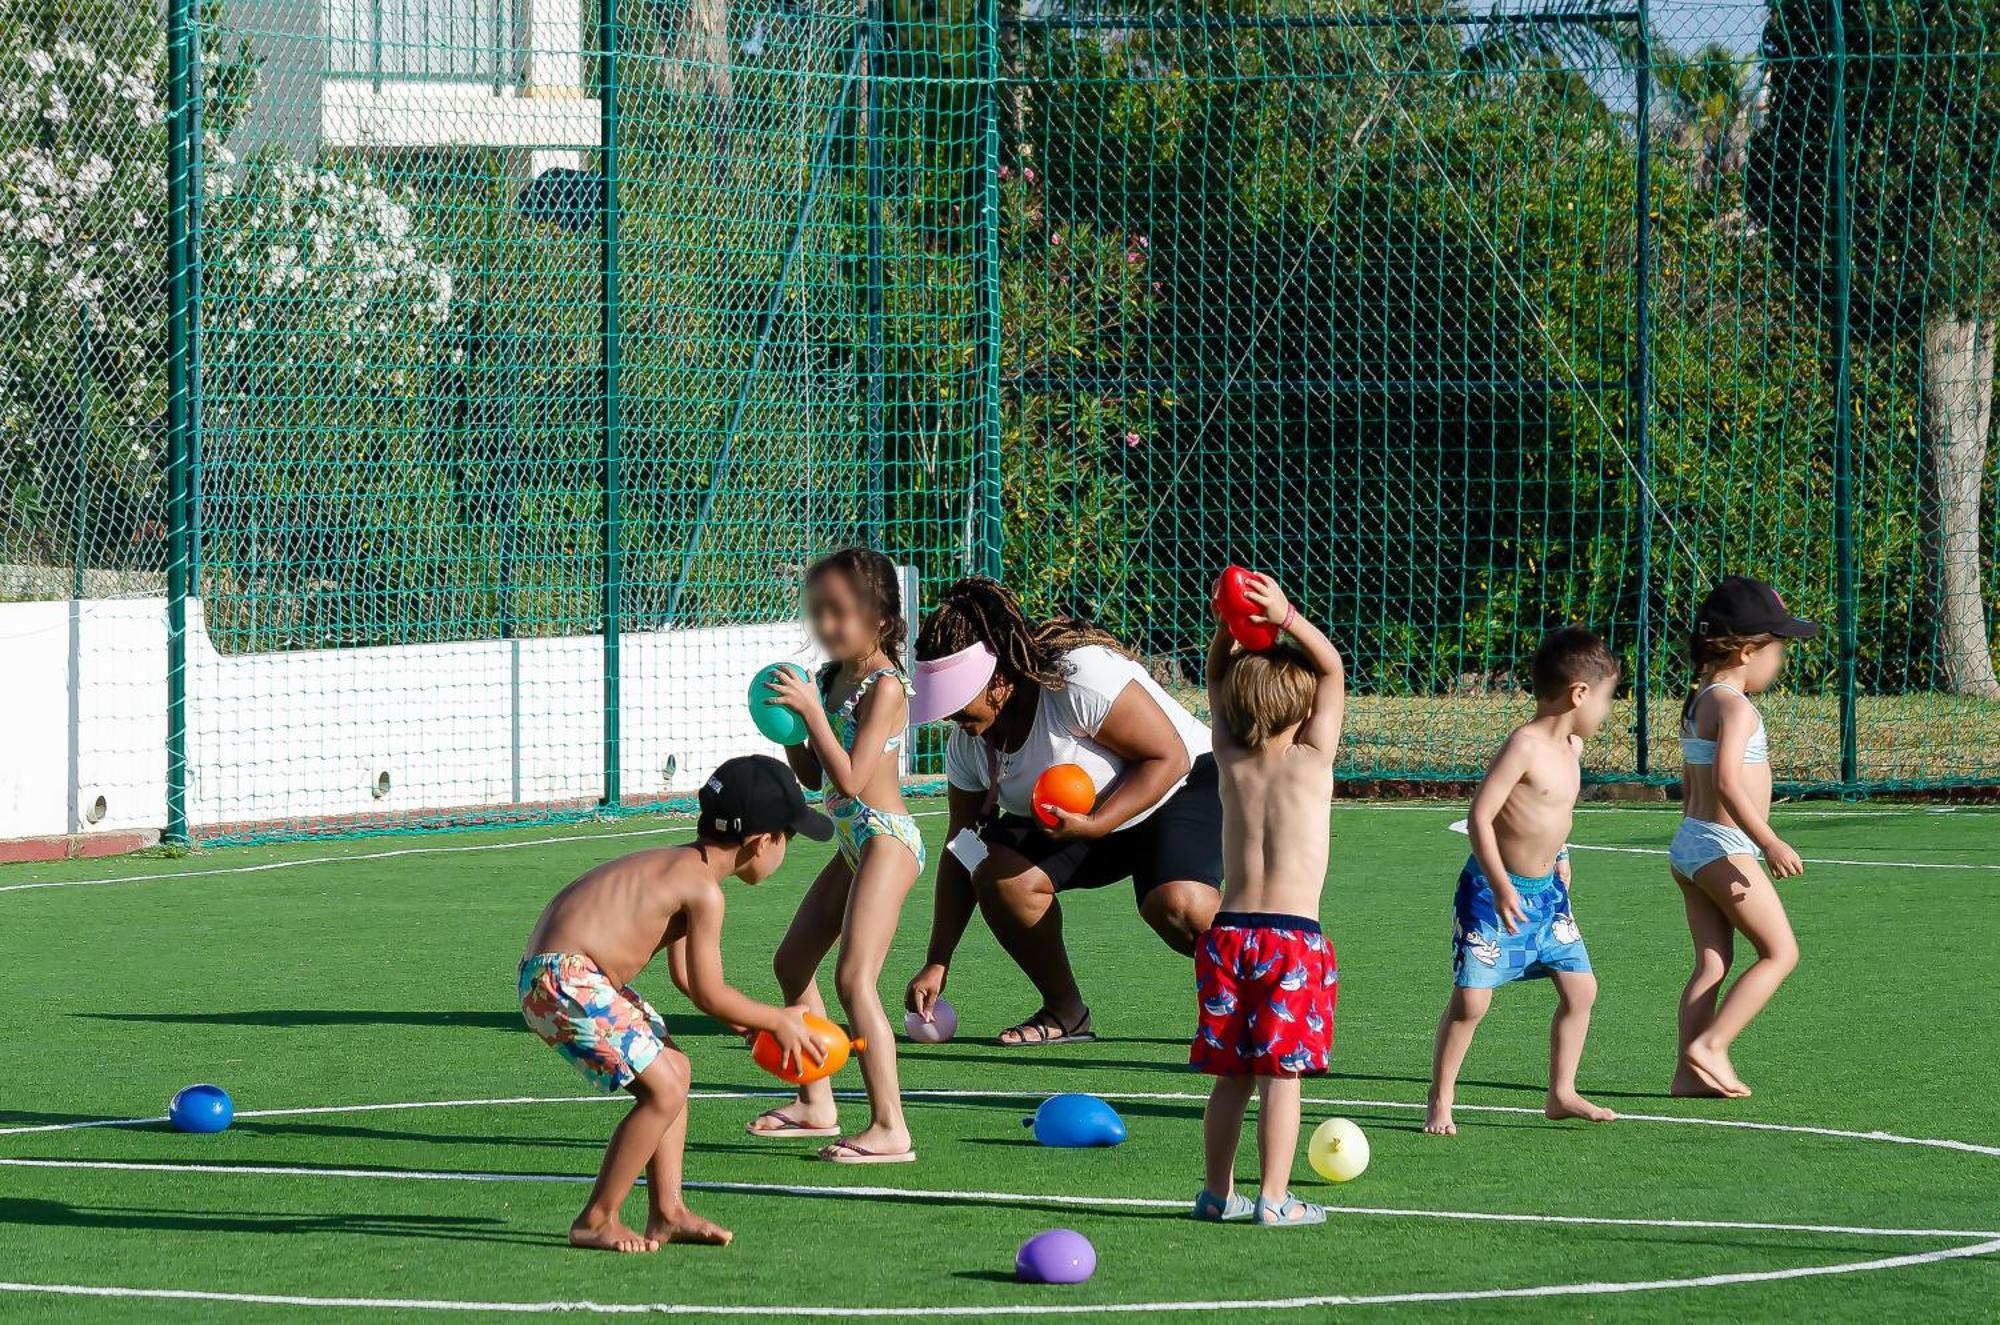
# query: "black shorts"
{"type": "Point", "coordinates": [1180, 840]}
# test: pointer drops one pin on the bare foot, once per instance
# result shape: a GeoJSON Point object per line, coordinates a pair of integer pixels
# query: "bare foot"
{"type": "Point", "coordinates": [684, 1225]}
{"type": "Point", "coordinates": [1569, 1104]}
{"type": "Point", "coordinates": [611, 1235]}
{"type": "Point", "coordinates": [1689, 1085]}
{"type": "Point", "coordinates": [1437, 1119]}
{"type": "Point", "coordinates": [1713, 1067]}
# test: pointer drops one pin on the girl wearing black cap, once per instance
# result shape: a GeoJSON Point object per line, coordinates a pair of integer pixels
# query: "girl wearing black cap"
{"type": "Point", "coordinates": [1738, 649]}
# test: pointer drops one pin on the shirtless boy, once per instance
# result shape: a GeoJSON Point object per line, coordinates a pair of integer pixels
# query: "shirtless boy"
{"type": "Point", "coordinates": [1512, 916]}
{"type": "Point", "coordinates": [1266, 975]}
{"type": "Point", "coordinates": [602, 930]}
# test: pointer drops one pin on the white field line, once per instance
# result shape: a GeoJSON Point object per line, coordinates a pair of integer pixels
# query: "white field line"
{"type": "Point", "coordinates": [987, 1197]}
{"type": "Point", "coordinates": [1459, 826]}
{"type": "Point", "coordinates": [1740, 1124]}
{"type": "Point", "coordinates": [1371, 807]}
{"type": "Point", "coordinates": [1024, 1309]}
{"type": "Point", "coordinates": [266, 867]}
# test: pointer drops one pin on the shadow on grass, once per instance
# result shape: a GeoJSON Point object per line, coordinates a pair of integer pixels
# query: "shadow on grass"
{"type": "Point", "coordinates": [304, 1018]}
{"type": "Point", "coordinates": [453, 1228]}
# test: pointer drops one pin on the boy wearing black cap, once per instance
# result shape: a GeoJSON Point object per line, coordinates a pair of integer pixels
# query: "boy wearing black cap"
{"type": "Point", "coordinates": [602, 930]}
{"type": "Point", "coordinates": [1738, 648]}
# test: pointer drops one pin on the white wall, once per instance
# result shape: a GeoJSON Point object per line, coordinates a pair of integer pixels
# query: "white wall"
{"type": "Point", "coordinates": [307, 735]}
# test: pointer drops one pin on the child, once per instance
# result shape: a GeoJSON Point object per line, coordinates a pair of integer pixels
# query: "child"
{"type": "Point", "coordinates": [1267, 976]}
{"type": "Point", "coordinates": [1511, 915]}
{"type": "Point", "coordinates": [1738, 647]}
{"type": "Point", "coordinates": [854, 722]}
{"type": "Point", "coordinates": [602, 930]}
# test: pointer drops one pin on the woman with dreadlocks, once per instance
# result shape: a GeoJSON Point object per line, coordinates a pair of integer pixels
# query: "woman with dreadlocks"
{"type": "Point", "coordinates": [1026, 697]}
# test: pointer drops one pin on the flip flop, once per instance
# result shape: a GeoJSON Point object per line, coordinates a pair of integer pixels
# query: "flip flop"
{"type": "Point", "coordinates": [1043, 1022]}
{"type": "Point", "coordinates": [789, 1126]}
{"type": "Point", "coordinates": [846, 1152]}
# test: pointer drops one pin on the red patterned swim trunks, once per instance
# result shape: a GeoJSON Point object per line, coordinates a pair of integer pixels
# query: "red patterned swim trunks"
{"type": "Point", "coordinates": [1267, 985]}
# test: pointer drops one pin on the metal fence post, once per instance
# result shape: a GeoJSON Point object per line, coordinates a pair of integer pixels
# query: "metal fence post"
{"type": "Point", "coordinates": [877, 535]}
{"type": "Point", "coordinates": [987, 543]}
{"type": "Point", "coordinates": [611, 458]}
{"type": "Point", "coordinates": [181, 64]}
{"type": "Point", "coordinates": [1843, 422]}
{"type": "Point", "coordinates": [1642, 386]}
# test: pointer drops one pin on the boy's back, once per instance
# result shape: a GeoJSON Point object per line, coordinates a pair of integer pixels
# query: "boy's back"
{"type": "Point", "coordinates": [1275, 826]}
{"type": "Point", "coordinates": [624, 911]}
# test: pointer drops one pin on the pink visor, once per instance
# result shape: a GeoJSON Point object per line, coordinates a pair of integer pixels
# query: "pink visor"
{"type": "Point", "coordinates": [946, 685]}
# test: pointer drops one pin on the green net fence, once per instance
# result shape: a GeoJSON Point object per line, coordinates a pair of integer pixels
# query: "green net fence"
{"type": "Point", "coordinates": [422, 410]}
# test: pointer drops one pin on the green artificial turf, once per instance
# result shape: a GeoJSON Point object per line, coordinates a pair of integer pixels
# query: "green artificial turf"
{"type": "Point", "coordinates": [385, 973]}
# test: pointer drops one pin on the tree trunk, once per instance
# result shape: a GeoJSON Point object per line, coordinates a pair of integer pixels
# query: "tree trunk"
{"type": "Point", "coordinates": [1957, 413]}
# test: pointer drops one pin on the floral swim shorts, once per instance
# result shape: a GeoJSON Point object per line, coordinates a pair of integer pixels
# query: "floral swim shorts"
{"type": "Point", "coordinates": [607, 1032]}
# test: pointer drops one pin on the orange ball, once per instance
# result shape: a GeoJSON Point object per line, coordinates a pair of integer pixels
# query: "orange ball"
{"type": "Point", "coordinates": [833, 1042]}
{"type": "Point", "coordinates": [1067, 787]}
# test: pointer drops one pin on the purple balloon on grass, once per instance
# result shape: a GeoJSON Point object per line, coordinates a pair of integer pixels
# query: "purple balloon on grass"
{"type": "Point", "coordinates": [1059, 1256]}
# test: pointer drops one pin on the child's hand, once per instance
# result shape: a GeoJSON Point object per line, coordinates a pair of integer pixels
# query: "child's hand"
{"type": "Point", "coordinates": [793, 691]}
{"type": "Point", "coordinates": [1562, 870]}
{"type": "Point", "coordinates": [799, 1044]}
{"type": "Point", "coordinates": [1784, 861]}
{"type": "Point", "coordinates": [1272, 607]}
{"type": "Point", "coordinates": [1507, 903]}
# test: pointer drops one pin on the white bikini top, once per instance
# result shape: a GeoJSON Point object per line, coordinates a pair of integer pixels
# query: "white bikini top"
{"type": "Point", "coordinates": [1699, 752]}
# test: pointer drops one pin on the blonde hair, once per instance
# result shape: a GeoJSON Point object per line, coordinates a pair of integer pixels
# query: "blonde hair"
{"type": "Point", "coordinates": [1264, 693]}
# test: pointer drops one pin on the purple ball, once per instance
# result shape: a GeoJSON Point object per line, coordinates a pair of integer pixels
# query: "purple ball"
{"type": "Point", "coordinates": [1059, 1256]}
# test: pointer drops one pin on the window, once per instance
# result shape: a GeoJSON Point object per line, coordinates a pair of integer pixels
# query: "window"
{"type": "Point", "coordinates": [458, 41]}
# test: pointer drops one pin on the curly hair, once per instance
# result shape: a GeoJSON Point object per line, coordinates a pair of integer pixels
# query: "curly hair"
{"type": "Point", "coordinates": [978, 610]}
{"type": "Point", "coordinates": [1705, 651]}
{"type": "Point", "coordinates": [873, 578]}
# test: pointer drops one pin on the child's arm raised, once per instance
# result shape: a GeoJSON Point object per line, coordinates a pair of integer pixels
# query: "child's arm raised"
{"type": "Point", "coordinates": [1735, 722]}
{"type": "Point", "coordinates": [1218, 659]}
{"type": "Point", "coordinates": [1509, 766]}
{"type": "Point", "coordinates": [709, 991]}
{"type": "Point", "coordinates": [1321, 729]}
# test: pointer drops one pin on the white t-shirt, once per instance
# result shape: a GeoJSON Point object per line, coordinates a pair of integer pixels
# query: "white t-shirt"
{"type": "Point", "coordinates": [1065, 732]}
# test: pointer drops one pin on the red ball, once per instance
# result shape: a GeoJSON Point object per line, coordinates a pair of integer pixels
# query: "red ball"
{"type": "Point", "coordinates": [1065, 786]}
{"type": "Point", "coordinates": [1233, 605]}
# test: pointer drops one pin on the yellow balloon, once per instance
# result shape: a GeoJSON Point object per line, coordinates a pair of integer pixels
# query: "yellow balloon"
{"type": "Point", "coordinates": [1338, 1150]}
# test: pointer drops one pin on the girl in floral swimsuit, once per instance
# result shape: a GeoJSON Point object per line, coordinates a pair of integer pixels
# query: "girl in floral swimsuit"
{"type": "Point", "coordinates": [855, 717]}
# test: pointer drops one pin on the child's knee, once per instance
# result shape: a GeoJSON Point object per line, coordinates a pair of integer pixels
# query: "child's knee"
{"type": "Point", "coordinates": [1710, 964]}
{"type": "Point", "coordinates": [664, 1083]}
{"type": "Point", "coordinates": [1468, 1005]}
{"type": "Point", "coordinates": [1782, 954]}
{"type": "Point", "coordinates": [1576, 993]}
{"type": "Point", "coordinates": [855, 980]}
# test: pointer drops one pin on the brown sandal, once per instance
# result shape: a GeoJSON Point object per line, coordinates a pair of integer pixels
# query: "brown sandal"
{"type": "Point", "coordinates": [1042, 1023]}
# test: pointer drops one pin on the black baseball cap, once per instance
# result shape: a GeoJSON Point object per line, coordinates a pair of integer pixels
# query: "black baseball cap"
{"type": "Point", "coordinates": [757, 794]}
{"type": "Point", "coordinates": [1738, 605]}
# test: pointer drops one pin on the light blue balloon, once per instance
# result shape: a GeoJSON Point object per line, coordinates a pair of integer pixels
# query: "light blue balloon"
{"type": "Point", "coordinates": [1076, 1120]}
{"type": "Point", "coordinates": [777, 722]}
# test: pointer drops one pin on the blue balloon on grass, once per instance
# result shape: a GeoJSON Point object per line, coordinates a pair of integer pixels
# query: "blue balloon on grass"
{"type": "Point", "coordinates": [201, 1109]}
{"type": "Point", "coordinates": [777, 722]}
{"type": "Point", "coordinates": [1076, 1120]}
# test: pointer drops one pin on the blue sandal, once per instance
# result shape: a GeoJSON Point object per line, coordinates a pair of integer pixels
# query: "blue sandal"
{"type": "Point", "coordinates": [1236, 1206]}
{"type": "Point", "coordinates": [1289, 1213]}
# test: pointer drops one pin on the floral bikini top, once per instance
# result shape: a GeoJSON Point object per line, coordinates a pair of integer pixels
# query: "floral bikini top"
{"type": "Point", "coordinates": [842, 719]}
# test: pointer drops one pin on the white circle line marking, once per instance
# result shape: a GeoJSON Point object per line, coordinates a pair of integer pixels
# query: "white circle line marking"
{"type": "Point", "coordinates": [1461, 827]}
{"type": "Point", "coordinates": [987, 1197]}
{"type": "Point", "coordinates": [1742, 1124]}
{"type": "Point", "coordinates": [1023, 1309]}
